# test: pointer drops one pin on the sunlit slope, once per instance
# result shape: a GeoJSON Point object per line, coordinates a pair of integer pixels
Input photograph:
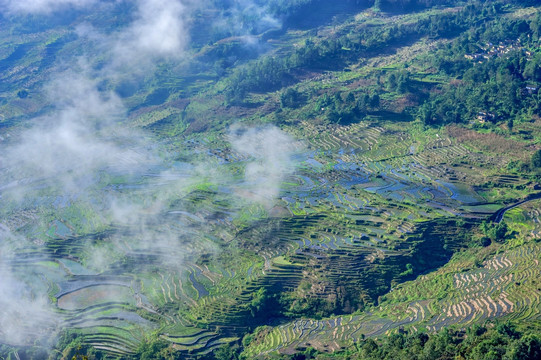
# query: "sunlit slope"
{"type": "Point", "coordinates": [339, 227]}
{"type": "Point", "coordinates": [349, 222]}
{"type": "Point", "coordinates": [500, 281]}
{"type": "Point", "coordinates": [177, 242]}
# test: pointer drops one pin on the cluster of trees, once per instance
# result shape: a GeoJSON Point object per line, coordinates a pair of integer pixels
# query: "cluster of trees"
{"type": "Point", "coordinates": [346, 109]}
{"type": "Point", "coordinates": [394, 5]}
{"type": "Point", "coordinates": [497, 85]}
{"type": "Point", "coordinates": [283, 8]}
{"type": "Point", "coordinates": [493, 232]}
{"type": "Point", "coordinates": [272, 73]}
{"type": "Point", "coordinates": [267, 74]}
{"type": "Point", "coordinates": [501, 342]}
{"type": "Point", "coordinates": [287, 7]}
{"type": "Point", "coordinates": [311, 307]}
{"type": "Point", "coordinates": [340, 107]}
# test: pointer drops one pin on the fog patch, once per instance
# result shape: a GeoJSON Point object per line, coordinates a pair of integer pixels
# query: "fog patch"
{"type": "Point", "coordinates": [75, 141]}
{"type": "Point", "coordinates": [270, 152]}
{"type": "Point", "coordinates": [25, 311]}
{"type": "Point", "coordinates": [86, 135]}
{"type": "Point", "coordinates": [246, 17]}
{"type": "Point", "coordinates": [43, 6]}
{"type": "Point", "coordinates": [160, 31]}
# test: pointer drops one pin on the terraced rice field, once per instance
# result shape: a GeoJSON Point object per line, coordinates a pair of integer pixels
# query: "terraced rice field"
{"type": "Point", "coordinates": [505, 285]}
{"type": "Point", "coordinates": [359, 196]}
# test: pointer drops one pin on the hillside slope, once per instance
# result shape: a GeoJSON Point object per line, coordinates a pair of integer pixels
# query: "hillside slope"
{"type": "Point", "coordinates": [294, 179]}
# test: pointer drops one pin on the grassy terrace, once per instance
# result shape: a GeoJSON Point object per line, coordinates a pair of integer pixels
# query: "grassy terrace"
{"type": "Point", "coordinates": [376, 212]}
{"type": "Point", "coordinates": [378, 224]}
{"type": "Point", "coordinates": [358, 210]}
{"type": "Point", "coordinates": [500, 281]}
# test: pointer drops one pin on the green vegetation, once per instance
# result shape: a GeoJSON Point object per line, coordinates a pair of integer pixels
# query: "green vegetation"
{"type": "Point", "coordinates": [495, 232]}
{"type": "Point", "coordinates": [414, 128]}
{"type": "Point", "coordinates": [536, 160]}
{"type": "Point", "coordinates": [501, 342]}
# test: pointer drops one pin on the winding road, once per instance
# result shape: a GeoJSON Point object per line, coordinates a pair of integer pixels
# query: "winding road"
{"type": "Point", "coordinates": [497, 217]}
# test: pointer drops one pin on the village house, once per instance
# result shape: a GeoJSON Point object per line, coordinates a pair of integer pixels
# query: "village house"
{"type": "Point", "coordinates": [484, 116]}
{"type": "Point", "coordinates": [473, 56]}
{"type": "Point", "coordinates": [530, 90]}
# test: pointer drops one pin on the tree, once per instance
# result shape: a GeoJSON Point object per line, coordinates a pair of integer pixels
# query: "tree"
{"type": "Point", "coordinates": [259, 300]}
{"type": "Point", "coordinates": [374, 101]}
{"type": "Point", "coordinates": [290, 98]}
{"type": "Point", "coordinates": [536, 160]}
{"type": "Point", "coordinates": [350, 99]}
{"type": "Point", "coordinates": [495, 232]}
{"type": "Point", "coordinates": [226, 352]}
{"type": "Point", "coordinates": [510, 124]}
{"type": "Point", "coordinates": [527, 348]}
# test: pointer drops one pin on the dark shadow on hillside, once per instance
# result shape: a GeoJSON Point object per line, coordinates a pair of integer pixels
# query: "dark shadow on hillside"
{"type": "Point", "coordinates": [318, 13]}
{"type": "Point", "coordinates": [392, 116]}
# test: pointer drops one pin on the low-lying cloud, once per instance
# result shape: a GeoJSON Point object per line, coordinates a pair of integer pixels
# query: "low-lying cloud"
{"type": "Point", "coordinates": [22, 304]}
{"type": "Point", "coordinates": [80, 137]}
{"type": "Point", "coordinates": [160, 31]}
{"type": "Point", "coordinates": [245, 19]}
{"type": "Point", "coordinates": [86, 134]}
{"type": "Point", "coordinates": [270, 152]}
{"type": "Point", "coordinates": [43, 6]}
{"type": "Point", "coordinates": [65, 152]}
